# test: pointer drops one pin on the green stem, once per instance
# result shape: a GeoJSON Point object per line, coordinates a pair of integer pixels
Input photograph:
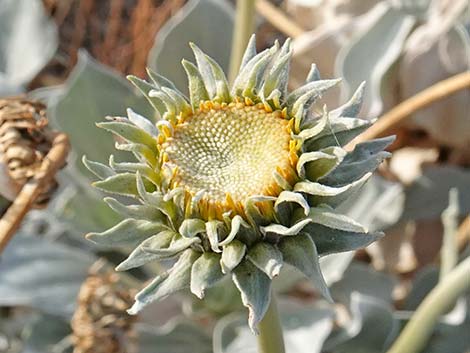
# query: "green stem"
{"type": "Point", "coordinates": [244, 26]}
{"type": "Point", "coordinates": [449, 249]}
{"type": "Point", "coordinates": [416, 333]}
{"type": "Point", "coordinates": [270, 339]}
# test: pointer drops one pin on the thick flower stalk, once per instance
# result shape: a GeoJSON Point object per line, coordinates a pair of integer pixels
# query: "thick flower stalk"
{"type": "Point", "coordinates": [236, 181]}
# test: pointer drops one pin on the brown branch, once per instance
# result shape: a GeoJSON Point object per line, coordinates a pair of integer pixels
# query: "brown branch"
{"type": "Point", "coordinates": [113, 26]}
{"type": "Point", "coordinates": [398, 114]}
{"type": "Point", "coordinates": [54, 160]}
{"type": "Point", "coordinates": [463, 234]}
{"type": "Point", "coordinates": [278, 19]}
{"type": "Point", "coordinates": [85, 8]}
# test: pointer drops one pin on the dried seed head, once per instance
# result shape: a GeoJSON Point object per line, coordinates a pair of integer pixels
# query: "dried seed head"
{"type": "Point", "coordinates": [100, 323]}
{"type": "Point", "coordinates": [25, 140]}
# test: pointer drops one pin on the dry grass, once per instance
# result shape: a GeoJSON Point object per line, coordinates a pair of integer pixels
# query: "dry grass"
{"type": "Point", "coordinates": [118, 33]}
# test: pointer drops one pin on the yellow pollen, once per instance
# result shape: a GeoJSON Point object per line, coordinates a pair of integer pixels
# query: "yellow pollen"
{"type": "Point", "coordinates": [231, 152]}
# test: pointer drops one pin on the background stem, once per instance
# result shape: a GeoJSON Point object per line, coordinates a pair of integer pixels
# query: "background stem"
{"type": "Point", "coordinates": [449, 249]}
{"type": "Point", "coordinates": [420, 327]}
{"type": "Point", "coordinates": [244, 27]}
{"type": "Point", "coordinates": [270, 338]}
{"type": "Point", "coordinates": [279, 19]}
{"type": "Point", "coordinates": [402, 111]}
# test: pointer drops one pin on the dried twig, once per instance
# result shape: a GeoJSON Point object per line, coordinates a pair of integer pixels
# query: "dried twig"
{"type": "Point", "coordinates": [117, 33]}
{"type": "Point", "coordinates": [84, 10]}
{"type": "Point", "coordinates": [397, 115]}
{"type": "Point", "coordinates": [111, 36]}
{"type": "Point", "coordinates": [463, 234]}
{"type": "Point", "coordinates": [278, 19]}
{"type": "Point", "coordinates": [145, 22]}
{"type": "Point", "coordinates": [54, 160]}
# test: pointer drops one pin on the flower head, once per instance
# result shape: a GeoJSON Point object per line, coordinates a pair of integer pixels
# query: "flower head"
{"type": "Point", "coordinates": [236, 182]}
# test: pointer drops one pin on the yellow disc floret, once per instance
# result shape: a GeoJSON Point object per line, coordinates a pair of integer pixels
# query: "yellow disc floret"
{"type": "Point", "coordinates": [228, 153]}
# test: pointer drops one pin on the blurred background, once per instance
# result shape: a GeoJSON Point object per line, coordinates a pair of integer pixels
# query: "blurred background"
{"type": "Point", "coordinates": [59, 293]}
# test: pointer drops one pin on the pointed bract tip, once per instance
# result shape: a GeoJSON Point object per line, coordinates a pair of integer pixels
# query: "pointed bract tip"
{"type": "Point", "coordinates": [90, 236]}
{"type": "Point", "coordinates": [135, 309]}
{"type": "Point", "coordinates": [153, 93]}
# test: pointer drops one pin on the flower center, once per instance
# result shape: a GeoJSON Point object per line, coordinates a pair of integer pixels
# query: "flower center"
{"type": "Point", "coordinates": [230, 152]}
